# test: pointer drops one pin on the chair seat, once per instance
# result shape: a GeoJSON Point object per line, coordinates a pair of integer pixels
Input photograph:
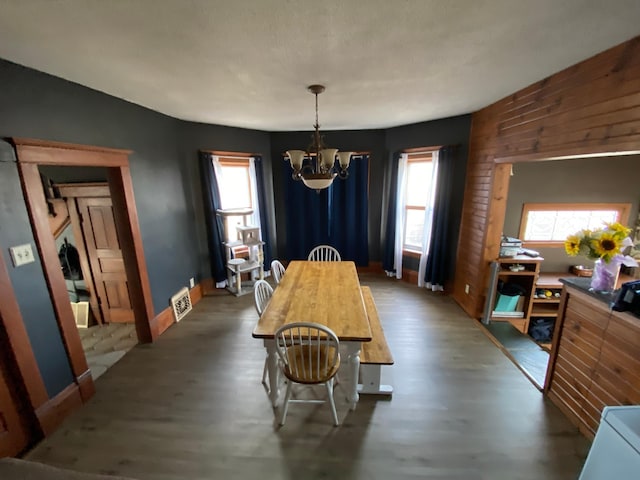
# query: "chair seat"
{"type": "Point", "coordinates": [310, 365]}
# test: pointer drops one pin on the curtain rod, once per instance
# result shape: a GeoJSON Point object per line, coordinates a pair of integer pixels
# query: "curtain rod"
{"type": "Point", "coordinates": [221, 153]}
{"type": "Point", "coordinates": [354, 154]}
{"type": "Point", "coordinates": [418, 150]}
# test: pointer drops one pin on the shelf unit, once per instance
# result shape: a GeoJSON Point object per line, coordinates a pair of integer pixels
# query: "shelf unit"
{"type": "Point", "coordinates": [243, 256]}
{"type": "Point", "coordinates": [547, 307]}
{"type": "Point", "coordinates": [526, 278]}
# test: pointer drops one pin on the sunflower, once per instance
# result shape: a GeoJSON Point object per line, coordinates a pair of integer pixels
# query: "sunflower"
{"type": "Point", "coordinates": [619, 230]}
{"type": "Point", "coordinates": [572, 245]}
{"type": "Point", "coordinates": [606, 246]}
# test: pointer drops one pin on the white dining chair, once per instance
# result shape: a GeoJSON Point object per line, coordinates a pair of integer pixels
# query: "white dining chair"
{"type": "Point", "coordinates": [277, 270]}
{"type": "Point", "coordinates": [324, 253]}
{"type": "Point", "coordinates": [309, 354]}
{"type": "Point", "coordinates": [262, 292]}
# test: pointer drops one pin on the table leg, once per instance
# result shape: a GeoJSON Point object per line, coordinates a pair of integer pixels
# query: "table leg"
{"type": "Point", "coordinates": [274, 371]}
{"type": "Point", "coordinates": [353, 362]}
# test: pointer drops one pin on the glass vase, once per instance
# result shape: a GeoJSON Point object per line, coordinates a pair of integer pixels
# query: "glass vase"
{"type": "Point", "coordinates": [605, 276]}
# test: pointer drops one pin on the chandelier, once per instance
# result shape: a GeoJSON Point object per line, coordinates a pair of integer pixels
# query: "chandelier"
{"type": "Point", "coordinates": [320, 171]}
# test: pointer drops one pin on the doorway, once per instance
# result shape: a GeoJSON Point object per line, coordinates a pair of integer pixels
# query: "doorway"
{"type": "Point", "coordinates": [83, 226]}
{"type": "Point", "coordinates": [31, 155]}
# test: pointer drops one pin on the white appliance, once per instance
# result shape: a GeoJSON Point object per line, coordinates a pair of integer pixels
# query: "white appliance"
{"type": "Point", "coordinates": [615, 452]}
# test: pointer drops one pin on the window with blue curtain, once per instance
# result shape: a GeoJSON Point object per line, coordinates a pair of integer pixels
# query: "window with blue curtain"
{"type": "Point", "coordinates": [250, 177]}
{"type": "Point", "coordinates": [336, 216]}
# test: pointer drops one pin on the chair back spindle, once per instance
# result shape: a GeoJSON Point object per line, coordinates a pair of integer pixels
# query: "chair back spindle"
{"type": "Point", "coordinates": [324, 253]}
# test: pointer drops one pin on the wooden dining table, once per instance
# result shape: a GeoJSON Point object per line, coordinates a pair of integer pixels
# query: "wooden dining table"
{"type": "Point", "coordinates": [327, 293]}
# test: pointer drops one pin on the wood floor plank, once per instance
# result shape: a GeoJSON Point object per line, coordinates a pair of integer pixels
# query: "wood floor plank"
{"type": "Point", "coordinates": [191, 406]}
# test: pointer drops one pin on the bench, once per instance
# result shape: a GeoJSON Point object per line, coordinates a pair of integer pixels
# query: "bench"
{"type": "Point", "coordinates": [375, 353]}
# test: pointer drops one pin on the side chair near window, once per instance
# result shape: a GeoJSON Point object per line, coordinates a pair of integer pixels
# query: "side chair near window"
{"type": "Point", "coordinates": [309, 355]}
{"type": "Point", "coordinates": [262, 292]}
{"type": "Point", "coordinates": [324, 253]}
{"type": "Point", "coordinates": [277, 270]}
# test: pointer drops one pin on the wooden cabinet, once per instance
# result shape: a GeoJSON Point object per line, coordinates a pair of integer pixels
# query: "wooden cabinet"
{"type": "Point", "coordinates": [546, 300]}
{"type": "Point", "coordinates": [594, 359]}
{"type": "Point", "coordinates": [522, 271]}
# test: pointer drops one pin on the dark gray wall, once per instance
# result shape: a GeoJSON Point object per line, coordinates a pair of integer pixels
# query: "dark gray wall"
{"type": "Point", "coordinates": [371, 141]}
{"type": "Point", "coordinates": [199, 136]}
{"type": "Point", "coordinates": [588, 180]}
{"type": "Point", "coordinates": [447, 131]}
{"type": "Point", "coordinates": [36, 105]}
{"type": "Point", "coordinates": [29, 284]}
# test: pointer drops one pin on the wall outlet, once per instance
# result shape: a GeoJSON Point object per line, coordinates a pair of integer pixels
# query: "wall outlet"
{"type": "Point", "coordinates": [21, 254]}
{"type": "Point", "coordinates": [192, 282]}
{"type": "Point", "coordinates": [466, 289]}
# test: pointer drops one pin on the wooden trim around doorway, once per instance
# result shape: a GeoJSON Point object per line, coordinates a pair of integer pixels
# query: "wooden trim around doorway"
{"type": "Point", "coordinates": [31, 154]}
{"type": "Point", "coordinates": [19, 344]}
{"type": "Point", "coordinates": [43, 152]}
{"type": "Point", "coordinates": [37, 208]}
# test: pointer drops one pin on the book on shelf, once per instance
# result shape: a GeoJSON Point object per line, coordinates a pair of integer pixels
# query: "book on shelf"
{"type": "Point", "coordinates": [507, 314]}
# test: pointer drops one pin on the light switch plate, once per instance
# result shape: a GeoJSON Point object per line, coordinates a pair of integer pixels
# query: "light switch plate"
{"type": "Point", "coordinates": [21, 254]}
{"type": "Point", "coordinates": [192, 282]}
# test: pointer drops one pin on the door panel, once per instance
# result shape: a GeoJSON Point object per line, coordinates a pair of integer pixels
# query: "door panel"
{"type": "Point", "coordinates": [105, 256]}
{"type": "Point", "coordinates": [13, 434]}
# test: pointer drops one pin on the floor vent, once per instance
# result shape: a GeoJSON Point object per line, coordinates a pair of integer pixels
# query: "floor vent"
{"type": "Point", "coordinates": [181, 304]}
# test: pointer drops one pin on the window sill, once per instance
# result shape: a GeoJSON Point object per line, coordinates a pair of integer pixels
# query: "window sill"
{"type": "Point", "coordinates": [411, 253]}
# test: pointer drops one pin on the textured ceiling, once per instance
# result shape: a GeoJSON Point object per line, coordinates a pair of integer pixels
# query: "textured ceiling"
{"type": "Point", "coordinates": [247, 63]}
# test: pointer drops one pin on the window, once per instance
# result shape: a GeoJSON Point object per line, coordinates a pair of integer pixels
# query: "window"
{"type": "Point", "coordinates": [234, 185]}
{"type": "Point", "coordinates": [549, 224]}
{"type": "Point", "coordinates": [417, 199]}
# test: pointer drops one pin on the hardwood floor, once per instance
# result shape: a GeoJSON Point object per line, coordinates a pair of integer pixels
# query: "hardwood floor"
{"type": "Point", "coordinates": [191, 406]}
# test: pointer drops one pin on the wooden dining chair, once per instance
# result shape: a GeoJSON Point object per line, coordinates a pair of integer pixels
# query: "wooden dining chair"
{"type": "Point", "coordinates": [262, 292]}
{"type": "Point", "coordinates": [277, 270]}
{"type": "Point", "coordinates": [309, 355]}
{"type": "Point", "coordinates": [324, 253]}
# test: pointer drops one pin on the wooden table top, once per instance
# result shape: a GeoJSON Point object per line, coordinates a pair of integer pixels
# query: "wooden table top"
{"type": "Point", "coordinates": [322, 292]}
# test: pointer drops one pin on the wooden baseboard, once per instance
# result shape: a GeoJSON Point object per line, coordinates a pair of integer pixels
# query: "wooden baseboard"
{"type": "Point", "coordinates": [86, 386]}
{"type": "Point", "coordinates": [52, 413]}
{"type": "Point", "coordinates": [162, 321]}
{"type": "Point", "coordinates": [207, 285]}
{"type": "Point", "coordinates": [373, 267]}
{"type": "Point", "coordinates": [410, 276]}
{"type": "Point", "coordinates": [165, 318]}
{"type": "Point", "coordinates": [196, 294]}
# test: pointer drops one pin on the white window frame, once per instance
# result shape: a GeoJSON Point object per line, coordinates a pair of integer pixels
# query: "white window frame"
{"type": "Point", "coordinates": [424, 157]}
{"type": "Point", "coordinates": [248, 163]}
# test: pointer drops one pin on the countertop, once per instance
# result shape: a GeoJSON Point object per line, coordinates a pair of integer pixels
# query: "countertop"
{"type": "Point", "coordinates": [583, 283]}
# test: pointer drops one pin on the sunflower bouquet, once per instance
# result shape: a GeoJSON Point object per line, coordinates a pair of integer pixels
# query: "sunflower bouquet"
{"type": "Point", "coordinates": [605, 243]}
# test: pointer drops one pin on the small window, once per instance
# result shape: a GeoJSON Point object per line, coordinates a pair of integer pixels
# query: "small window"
{"type": "Point", "coordinates": [419, 172]}
{"type": "Point", "coordinates": [549, 224]}
{"type": "Point", "coordinates": [234, 186]}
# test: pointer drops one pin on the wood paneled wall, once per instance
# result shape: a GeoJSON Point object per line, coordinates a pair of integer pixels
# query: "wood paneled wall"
{"type": "Point", "coordinates": [590, 108]}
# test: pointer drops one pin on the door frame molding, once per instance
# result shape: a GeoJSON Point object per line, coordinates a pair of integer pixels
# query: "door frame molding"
{"type": "Point", "coordinates": [30, 154]}
{"type": "Point", "coordinates": [20, 352]}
